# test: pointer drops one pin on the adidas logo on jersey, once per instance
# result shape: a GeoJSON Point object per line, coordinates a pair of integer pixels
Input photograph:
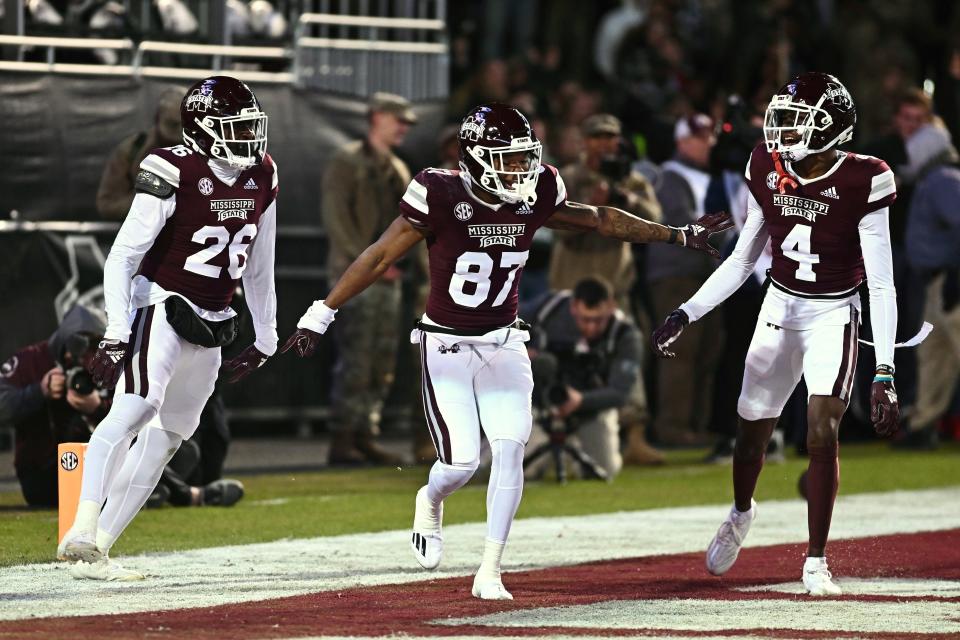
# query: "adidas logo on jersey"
{"type": "Point", "coordinates": [250, 184]}
{"type": "Point", "coordinates": [524, 209]}
{"type": "Point", "coordinates": [831, 193]}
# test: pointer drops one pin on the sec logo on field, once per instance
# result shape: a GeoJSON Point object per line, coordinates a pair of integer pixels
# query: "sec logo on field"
{"type": "Point", "coordinates": [463, 211]}
{"type": "Point", "coordinates": [206, 186]}
{"type": "Point", "coordinates": [69, 461]}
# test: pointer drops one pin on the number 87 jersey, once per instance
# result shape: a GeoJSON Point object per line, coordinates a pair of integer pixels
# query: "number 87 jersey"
{"type": "Point", "coordinates": [202, 249]}
{"type": "Point", "coordinates": [477, 250]}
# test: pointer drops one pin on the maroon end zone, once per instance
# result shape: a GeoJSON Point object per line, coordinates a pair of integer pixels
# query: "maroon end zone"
{"type": "Point", "coordinates": [414, 609]}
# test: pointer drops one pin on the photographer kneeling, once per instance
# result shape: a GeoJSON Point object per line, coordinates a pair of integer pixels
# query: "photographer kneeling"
{"type": "Point", "coordinates": [592, 353]}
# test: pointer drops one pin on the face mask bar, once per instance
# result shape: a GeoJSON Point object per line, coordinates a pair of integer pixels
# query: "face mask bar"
{"type": "Point", "coordinates": [783, 115]}
{"type": "Point", "coordinates": [240, 140]}
{"type": "Point", "coordinates": [493, 161]}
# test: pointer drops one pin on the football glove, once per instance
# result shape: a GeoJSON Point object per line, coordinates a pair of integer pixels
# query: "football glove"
{"type": "Point", "coordinates": [243, 364]}
{"type": "Point", "coordinates": [668, 332]}
{"type": "Point", "coordinates": [884, 406]}
{"type": "Point", "coordinates": [107, 363]}
{"type": "Point", "coordinates": [311, 326]}
{"type": "Point", "coordinates": [695, 236]}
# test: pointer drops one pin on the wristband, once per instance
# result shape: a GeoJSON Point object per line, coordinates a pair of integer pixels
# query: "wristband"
{"type": "Point", "coordinates": [674, 233]}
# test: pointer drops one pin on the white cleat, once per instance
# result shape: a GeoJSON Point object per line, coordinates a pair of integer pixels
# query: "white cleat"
{"type": "Point", "coordinates": [489, 588]}
{"type": "Point", "coordinates": [427, 539]}
{"type": "Point", "coordinates": [78, 546]}
{"type": "Point", "coordinates": [725, 546]}
{"type": "Point", "coordinates": [817, 579]}
{"type": "Point", "coordinates": [104, 569]}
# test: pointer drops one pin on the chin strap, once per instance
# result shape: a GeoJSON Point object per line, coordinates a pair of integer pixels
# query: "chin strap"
{"type": "Point", "coordinates": [783, 178]}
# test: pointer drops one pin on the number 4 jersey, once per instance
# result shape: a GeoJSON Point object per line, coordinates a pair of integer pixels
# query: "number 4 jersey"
{"type": "Point", "coordinates": [477, 250]}
{"type": "Point", "coordinates": [195, 230]}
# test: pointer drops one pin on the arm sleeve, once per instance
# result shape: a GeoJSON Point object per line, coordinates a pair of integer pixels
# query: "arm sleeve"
{"type": "Point", "coordinates": [141, 227]}
{"type": "Point", "coordinates": [18, 402]}
{"type": "Point", "coordinates": [339, 217]}
{"type": "Point", "coordinates": [624, 370]}
{"type": "Point", "coordinates": [258, 283]}
{"type": "Point", "coordinates": [735, 270]}
{"type": "Point", "coordinates": [878, 263]}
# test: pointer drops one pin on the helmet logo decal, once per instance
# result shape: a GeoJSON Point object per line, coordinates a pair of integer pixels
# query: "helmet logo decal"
{"type": "Point", "coordinates": [199, 101]}
{"type": "Point", "coordinates": [206, 186]}
{"type": "Point", "coordinates": [473, 131]}
{"type": "Point", "coordinates": [838, 95]}
{"type": "Point", "coordinates": [463, 211]}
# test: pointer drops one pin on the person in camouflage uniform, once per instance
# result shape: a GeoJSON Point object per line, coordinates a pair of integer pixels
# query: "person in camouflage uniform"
{"type": "Point", "coordinates": [115, 193]}
{"type": "Point", "coordinates": [603, 176]}
{"type": "Point", "coordinates": [362, 185]}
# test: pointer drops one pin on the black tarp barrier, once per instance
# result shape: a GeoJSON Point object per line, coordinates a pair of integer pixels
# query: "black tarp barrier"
{"type": "Point", "coordinates": [58, 131]}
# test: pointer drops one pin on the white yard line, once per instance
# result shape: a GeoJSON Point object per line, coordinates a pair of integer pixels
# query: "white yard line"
{"type": "Point", "coordinates": [221, 575]}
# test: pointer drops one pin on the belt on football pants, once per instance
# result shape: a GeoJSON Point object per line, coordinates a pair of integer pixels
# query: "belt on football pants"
{"type": "Point", "coordinates": [432, 328]}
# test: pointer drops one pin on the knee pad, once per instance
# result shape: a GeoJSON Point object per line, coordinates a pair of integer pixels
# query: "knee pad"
{"type": "Point", "coordinates": [447, 478]}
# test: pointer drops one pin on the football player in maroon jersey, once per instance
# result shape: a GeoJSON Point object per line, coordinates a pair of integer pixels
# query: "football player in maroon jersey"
{"type": "Point", "coordinates": [479, 223]}
{"type": "Point", "coordinates": [826, 212]}
{"type": "Point", "coordinates": [204, 216]}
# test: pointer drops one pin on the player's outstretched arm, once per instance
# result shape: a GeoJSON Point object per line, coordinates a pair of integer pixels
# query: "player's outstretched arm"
{"type": "Point", "coordinates": [399, 238]}
{"type": "Point", "coordinates": [721, 284]}
{"type": "Point", "coordinates": [617, 223]}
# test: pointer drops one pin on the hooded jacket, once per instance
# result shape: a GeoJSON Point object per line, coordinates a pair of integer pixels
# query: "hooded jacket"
{"type": "Point", "coordinates": [41, 423]}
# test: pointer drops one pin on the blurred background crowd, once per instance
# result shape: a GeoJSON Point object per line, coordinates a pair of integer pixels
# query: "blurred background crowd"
{"type": "Point", "coordinates": [649, 105]}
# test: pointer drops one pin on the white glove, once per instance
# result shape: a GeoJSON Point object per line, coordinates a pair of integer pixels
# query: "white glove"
{"type": "Point", "coordinates": [317, 318]}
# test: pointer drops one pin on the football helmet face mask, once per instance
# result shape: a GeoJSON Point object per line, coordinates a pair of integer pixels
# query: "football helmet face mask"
{"type": "Point", "coordinates": [500, 153]}
{"type": "Point", "coordinates": [810, 114]}
{"type": "Point", "coordinates": [222, 120]}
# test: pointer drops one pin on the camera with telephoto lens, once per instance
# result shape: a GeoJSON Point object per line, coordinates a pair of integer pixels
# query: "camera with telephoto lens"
{"type": "Point", "coordinates": [80, 380]}
{"type": "Point", "coordinates": [79, 346]}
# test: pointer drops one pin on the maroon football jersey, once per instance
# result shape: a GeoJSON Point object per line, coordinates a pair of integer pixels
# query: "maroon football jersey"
{"type": "Point", "coordinates": [202, 250]}
{"type": "Point", "coordinates": [477, 252]}
{"type": "Point", "coordinates": [814, 227]}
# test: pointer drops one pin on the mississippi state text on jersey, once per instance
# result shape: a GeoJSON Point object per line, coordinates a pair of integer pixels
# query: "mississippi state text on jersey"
{"type": "Point", "coordinates": [477, 251]}
{"type": "Point", "coordinates": [814, 226]}
{"type": "Point", "coordinates": [202, 250]}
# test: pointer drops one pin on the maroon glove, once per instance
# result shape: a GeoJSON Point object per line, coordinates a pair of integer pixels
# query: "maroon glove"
{"type": "Point", "coordinates": [695, 235]}
{"type": "Point", "coordinates": [669, 331]}
{"type": "Point", "coordinates": [304, 340]}
{"type": "Point", "coordinates": [107, 363]}
{"type": "Point", "coordinates": [884, 406]}
{"type": "Point", "coordinates": [243, 364]}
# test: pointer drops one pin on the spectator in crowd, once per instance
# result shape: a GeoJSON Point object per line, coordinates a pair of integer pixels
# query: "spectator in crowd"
{"type": "Point", "coordinates": [362, 185]}
{"type": "Point", "coordinates": [116, 190]}
{"type": "Point", "coordinates": [685, 383]}
{"type": "Point", "coordinates": [602, 176]}
{"type": "Point", "coordinates": [912, 110]}
{"type": "Point", "coordinates": [933, 239]}
{"type": "Point", "coordinates": [597, 351]}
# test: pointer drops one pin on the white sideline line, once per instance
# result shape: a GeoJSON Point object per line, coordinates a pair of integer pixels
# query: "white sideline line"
{"type": "Point", "coordinates": [221, 575]}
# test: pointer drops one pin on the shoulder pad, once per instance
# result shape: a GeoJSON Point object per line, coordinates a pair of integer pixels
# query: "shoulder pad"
{"type": "Point", "coordinates": [149, 182]}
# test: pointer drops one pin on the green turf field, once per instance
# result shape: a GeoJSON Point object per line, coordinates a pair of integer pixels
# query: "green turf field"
{"type": "Point", "coordinates": [298, 505]}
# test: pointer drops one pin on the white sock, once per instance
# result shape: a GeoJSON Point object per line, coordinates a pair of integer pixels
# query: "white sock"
{"type": "Point", "coordinates": [137, 478]}
{"type": "Point", "coordinates": [109, 444]}
{"type": "Point", "coordinates": [85, 522]}
{"type": "Point", "coordinates": [505, 488]}
{"type": "Point", "coordinates": [105, 541]}
{"type": "Point", "coordinates": [489, 570]}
